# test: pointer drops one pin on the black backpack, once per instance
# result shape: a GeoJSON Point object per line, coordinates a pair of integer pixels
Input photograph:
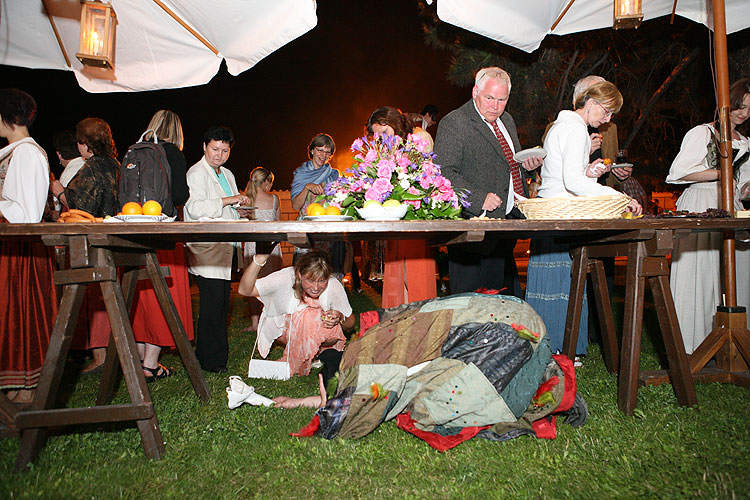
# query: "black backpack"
{"type": "Point", "coordinates": [145, 175]}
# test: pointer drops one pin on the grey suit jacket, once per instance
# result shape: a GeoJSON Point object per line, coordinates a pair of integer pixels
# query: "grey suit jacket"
{"type": "Point", "coordinates": [471, 157]}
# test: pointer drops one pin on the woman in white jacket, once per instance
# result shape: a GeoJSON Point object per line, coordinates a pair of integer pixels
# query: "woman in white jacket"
{"type": "Point", "coordinates": [213, 196]}
{"type": "Point", "coordinates": [567, 172]}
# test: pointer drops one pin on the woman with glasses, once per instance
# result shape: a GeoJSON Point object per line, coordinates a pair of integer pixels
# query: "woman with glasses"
{"type": "Point", "coordinates": [567, 172]}
{"type": "Point", "coordinates": [308, 182]}
{"type": "Point", "coordinates": [696, 259]}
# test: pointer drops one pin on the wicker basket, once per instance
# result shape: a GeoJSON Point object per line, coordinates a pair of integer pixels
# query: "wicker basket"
{"type": "Point", "coordinates": [575, 207]}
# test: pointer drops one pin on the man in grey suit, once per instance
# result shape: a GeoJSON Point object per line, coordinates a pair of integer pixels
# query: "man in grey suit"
{"type": "Point", "coordinates": [475, 145]}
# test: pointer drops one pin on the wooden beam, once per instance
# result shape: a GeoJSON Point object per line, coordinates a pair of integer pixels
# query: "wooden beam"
{"type": "Point", "coordinates": [57, 34]}
{"type": "Point", "coordinates": [674, 8]}
{"type": "Point", "coordinates": [562, 14]}
{"type": "Point", "coordinates": [184, 25]}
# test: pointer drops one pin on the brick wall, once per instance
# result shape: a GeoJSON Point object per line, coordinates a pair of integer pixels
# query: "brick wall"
{"type": "Point", "coordinates": [286, 214]}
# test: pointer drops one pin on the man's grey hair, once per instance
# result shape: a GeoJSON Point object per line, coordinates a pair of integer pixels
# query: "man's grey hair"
{"type": "Point", "coordinates": [583, 85]}
{"type": "Point", "coordinates": [491, 73]}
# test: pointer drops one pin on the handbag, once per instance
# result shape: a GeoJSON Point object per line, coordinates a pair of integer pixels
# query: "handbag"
{"type": "Point", "coordinates": [263, 368]}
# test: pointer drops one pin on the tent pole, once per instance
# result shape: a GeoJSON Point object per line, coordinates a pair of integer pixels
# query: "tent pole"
{"type": "Point", "coordinates": [725, 145]}
{"type": "Point", "coordinates": [562, 14]}
{"type": "Point", "coordinates": [57, 34]}
{"type": "Point", "coordinates": [184, 25]}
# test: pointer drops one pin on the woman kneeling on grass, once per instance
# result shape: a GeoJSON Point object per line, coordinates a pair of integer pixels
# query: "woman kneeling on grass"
{"type": "Point", "coordinates": [305, 308]}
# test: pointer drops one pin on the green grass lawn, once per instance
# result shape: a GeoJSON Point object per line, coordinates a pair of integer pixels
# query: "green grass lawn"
{"type": "Point", "coordinates": [664, 451]}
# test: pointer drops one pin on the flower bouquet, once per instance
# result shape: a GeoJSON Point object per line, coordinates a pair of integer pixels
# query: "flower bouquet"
{"type": "Point", "coordinates": [391, 168]}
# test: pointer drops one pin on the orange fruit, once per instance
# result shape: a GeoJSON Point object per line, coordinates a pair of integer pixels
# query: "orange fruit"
{"type": "Point", "coordinates": [315, 209]}
{"type": "Point", "coordinates": [151, 207]}
{"type": "Point", "coordinates": [333, 210]}
{"type": "Point", "coordinates": [132, 208]}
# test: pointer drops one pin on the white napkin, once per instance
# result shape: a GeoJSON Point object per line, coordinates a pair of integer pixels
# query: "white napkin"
{"type": "Point", "coordinates": [239, 392]}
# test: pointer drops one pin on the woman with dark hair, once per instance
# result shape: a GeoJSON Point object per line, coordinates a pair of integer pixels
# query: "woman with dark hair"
{"type": "Point", "coordinates": [213, 195]}
{"type": "Point", "coordinates": [696, 258]}
{"type": "Point", "coordinates": [306, 309]}
{"type": "Point", "coordinates": [311, 176]}
{"type": "Point", "coordinates": [94, 188]}
{"type": "Point", "coordinates": [28, 302]}
{"type": "Point", "coordinates": [410, 268]}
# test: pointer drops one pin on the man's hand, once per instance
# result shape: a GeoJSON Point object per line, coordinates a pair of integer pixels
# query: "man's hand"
{"type": "Point", "coordinates": [596, 142]}
{"type": "Point", "coordinates": [491, 202]}
{"type": "Point", "coordinates": [532, 163]}
{"type": "Point", "coordinates": [622, 173]}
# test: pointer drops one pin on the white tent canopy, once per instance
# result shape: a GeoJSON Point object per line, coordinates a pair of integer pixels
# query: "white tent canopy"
{"type": "Point", "coordinates": [153, 51]}
{"type": "Point", "coordinates": [525, 24]}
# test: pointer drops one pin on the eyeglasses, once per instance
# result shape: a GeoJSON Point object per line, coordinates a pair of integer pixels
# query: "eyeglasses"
{"type": "Point", "coordinates": [607, 113]}
{"type": "Point", "coordinates": [326, 152]}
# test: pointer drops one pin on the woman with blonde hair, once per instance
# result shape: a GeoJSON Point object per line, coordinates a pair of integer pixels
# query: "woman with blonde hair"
{"type": "Point", "coordinates": [266, 209]}
{"type": "Point", "coordinates": [150, 328]}
{"type": "Point", "coordinates": [567, 172]}
{"type": "Point", "coordinates": [167, 127]}
{"type": "Point", "coordinates": [306, 309]}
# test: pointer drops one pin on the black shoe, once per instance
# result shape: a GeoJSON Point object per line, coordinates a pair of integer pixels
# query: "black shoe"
{"type": "Point", "coordinates": [217, 369]}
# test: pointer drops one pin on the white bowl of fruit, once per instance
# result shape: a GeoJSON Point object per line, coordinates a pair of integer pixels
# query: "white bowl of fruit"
{"type": "Point", "coordinates": [391, 209]}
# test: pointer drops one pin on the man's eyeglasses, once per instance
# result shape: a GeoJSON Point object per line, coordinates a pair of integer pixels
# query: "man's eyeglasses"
{"type": "Point", "coordinates": [325, 151]}
{"type": "Point", "coordinates": [607, 113]}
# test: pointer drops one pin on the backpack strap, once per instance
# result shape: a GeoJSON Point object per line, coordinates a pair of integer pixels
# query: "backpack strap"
{"type": "Point", "coordinates": [153, 136]}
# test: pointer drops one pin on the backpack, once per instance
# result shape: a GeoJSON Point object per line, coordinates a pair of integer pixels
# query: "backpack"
{"type": "Point", "coordinates": [145, 175]}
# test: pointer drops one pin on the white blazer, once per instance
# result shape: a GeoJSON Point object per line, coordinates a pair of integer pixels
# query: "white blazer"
{"type": "Point", "coordinates": [209, 260]}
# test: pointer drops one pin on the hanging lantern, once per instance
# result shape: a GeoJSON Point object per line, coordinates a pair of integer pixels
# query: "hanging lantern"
{"type": "Point", "coordinates": [628, 14]}
{"type": "Point", "coordinates": [97, 45]}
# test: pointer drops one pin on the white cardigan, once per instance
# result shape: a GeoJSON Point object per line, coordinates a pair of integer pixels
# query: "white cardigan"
{"type": "Point", "coordinates": [209, 260]}
{"type": "Point", "coordinates": [564, 169]}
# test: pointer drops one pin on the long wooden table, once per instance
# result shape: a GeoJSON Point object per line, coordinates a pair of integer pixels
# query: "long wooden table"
{"type": "Point", "coordinates": [98, 250]}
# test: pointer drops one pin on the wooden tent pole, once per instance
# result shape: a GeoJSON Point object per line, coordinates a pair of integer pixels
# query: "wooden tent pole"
{"type": "Point", "coordinates": [725, 145]}
{"type": "Point", "coordinates": [184, 25]}
{"type": "Point", "coordinates": [562, 14]}
{"type": "Point", "coordinates": [57, 34]}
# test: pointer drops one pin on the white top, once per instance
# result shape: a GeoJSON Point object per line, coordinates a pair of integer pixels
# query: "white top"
{"type": "Point", "coordinates": [277, 295]}
{"type": "Point", "coordinates": [209, 260]}
{"type": "Point", "coordinates": [564, 169]}
{"type": "Point", "coordinates": [691, 159]}
{"type": "Point", "coordinates": [24, 193]}
{"type": "Point", "coordinates": [71, 169]}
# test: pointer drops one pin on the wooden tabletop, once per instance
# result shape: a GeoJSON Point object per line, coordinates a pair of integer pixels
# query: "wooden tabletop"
{"type": "Point", "coordinates": [435, 231]}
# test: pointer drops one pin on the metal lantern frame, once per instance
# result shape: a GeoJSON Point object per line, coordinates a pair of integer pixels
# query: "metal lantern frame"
{"type": "Point", "coordinates": [627, 14]}
{"type": "Point", "coordinates": [97, 43]}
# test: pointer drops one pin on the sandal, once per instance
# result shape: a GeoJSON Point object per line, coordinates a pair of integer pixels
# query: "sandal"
{"type": "Point", "coordinates": [158, 373]}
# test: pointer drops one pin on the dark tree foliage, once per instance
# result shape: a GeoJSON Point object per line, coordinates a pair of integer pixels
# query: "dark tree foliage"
{"type": "Point", "coordinates": [663, 70]}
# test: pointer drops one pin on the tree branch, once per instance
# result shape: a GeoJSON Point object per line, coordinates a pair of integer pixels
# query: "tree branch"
{"type": "Point", "coordinates": [648, 108]}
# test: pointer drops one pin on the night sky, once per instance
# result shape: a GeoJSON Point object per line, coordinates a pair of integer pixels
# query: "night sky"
{"type": "Point", "coordinates": [360, 56]}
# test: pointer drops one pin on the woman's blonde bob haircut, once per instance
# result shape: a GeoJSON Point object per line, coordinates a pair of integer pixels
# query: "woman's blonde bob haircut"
{"type": "Point", "coordinates": [167, 126]}
{"type": "Point", "coordinates": [605, 93]}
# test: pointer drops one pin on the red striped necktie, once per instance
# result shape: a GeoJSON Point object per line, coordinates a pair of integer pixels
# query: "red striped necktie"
{"type": "Point", "coordinates": [515, 171]}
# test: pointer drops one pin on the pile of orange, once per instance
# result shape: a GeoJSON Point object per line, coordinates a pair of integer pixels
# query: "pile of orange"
{"type": "Point", "coordinates": [316, 209]}
{"type": "Point", "coordinates": [151, 207]}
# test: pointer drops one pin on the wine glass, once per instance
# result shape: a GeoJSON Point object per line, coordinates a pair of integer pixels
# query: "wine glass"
{"type": "Point", "coordinates": [622, 156]}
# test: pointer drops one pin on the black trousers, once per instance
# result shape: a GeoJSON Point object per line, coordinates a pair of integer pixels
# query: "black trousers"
{"type": "Point", "coordinates": [497, 269]}
{"type": "Point", "coordinates": [211, 346]}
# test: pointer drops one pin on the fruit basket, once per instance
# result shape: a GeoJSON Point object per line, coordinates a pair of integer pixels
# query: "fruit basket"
{"type": "Point", "coordinates": [575, 207]}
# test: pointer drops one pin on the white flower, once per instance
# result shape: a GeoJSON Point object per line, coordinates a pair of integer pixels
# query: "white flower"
{"type": "Point", "coordinates": [404, 183]}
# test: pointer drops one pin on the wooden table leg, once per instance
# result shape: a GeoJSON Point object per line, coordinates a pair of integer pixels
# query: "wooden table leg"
{"type": "Point", "coordinates": [32, 440]}
{"type": "Point", "coordinates": [630, 359]}
{"type": "Point", "coordinates": [135, 380]}
{"type": "Point", "coordinates": [111, 372]}
{"type": "Point", "coordinates": [604, 311]}
{"type": "Point", "coordinates": [177, 328]}
{"type": "Point", "coordinates": [682, 380]}
{"type": "Point", "coordinates": [575, 301]}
